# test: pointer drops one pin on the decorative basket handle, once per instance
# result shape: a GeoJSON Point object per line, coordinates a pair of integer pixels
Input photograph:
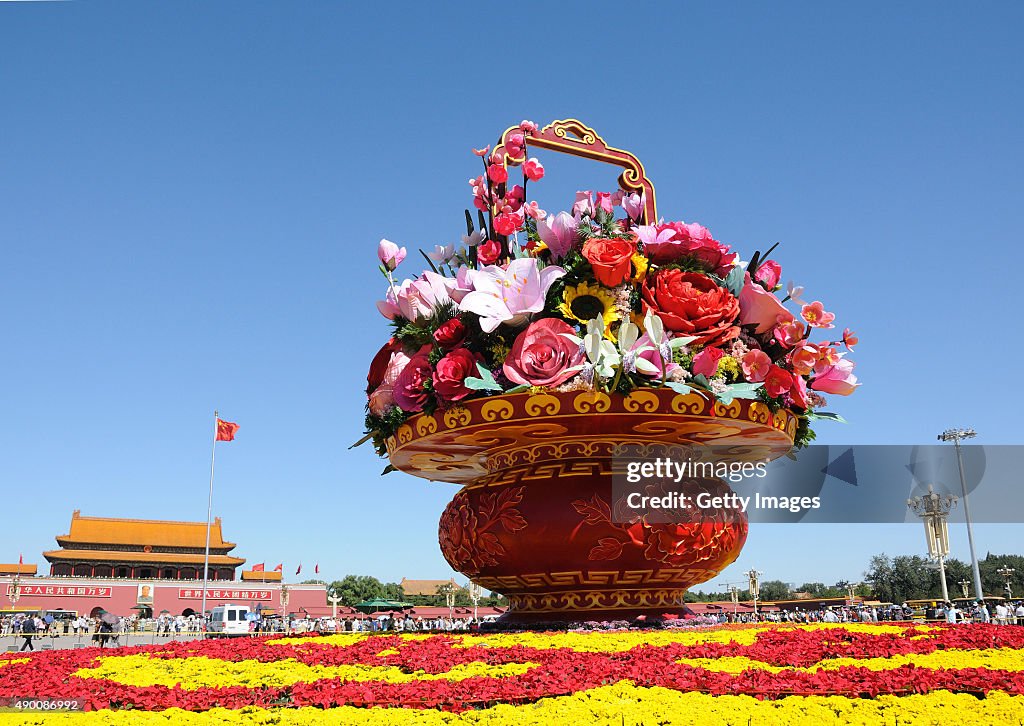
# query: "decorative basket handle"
{"type": "Point", "coordinates": [573, 137]}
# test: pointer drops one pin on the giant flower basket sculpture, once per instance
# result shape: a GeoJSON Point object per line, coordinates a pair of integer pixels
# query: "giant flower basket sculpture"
{"type": "Point", "coordinates": [527, 358]}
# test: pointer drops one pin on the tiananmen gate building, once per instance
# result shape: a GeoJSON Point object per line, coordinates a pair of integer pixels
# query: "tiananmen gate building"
{"type": "Point", "coordinates": [128, 566]}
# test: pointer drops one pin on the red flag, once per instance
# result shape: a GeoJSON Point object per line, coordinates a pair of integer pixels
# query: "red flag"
{"type": "Point", "coordinates": [279, 568]}
{"type": "Point", "coordinates": [258, 568]}
{"type": "Point", "coordinates": [316, 570]}
{"type": "Point", "coordinates": [21, 560]}
{"type": "Point", "coordinates": [226, 430]}
{"type": "Point", "coordinates": [299, 569]}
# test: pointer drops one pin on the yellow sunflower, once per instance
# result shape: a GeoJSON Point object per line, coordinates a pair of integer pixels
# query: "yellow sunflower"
{"type": "Point", "coordinates": [586, 301]}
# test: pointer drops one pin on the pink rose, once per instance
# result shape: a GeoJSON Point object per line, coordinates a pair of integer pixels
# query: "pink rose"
{"type": "Point", "coordinates": [760, 307]}
{"type": "Point", "coordinates": [409, 393]}
{"type": "Point", "coordinates": [451, 373]}
{"type": "Point", "coordinates": [705, 363]}
{"type": "Point", "coordinates": [755, 364]}
{"type": "Point", "coordinates": [768, 274]}
{"type": "Point", "coordinates": [542, 356]}
{"type": "Point", "coordinates": [837, 378]}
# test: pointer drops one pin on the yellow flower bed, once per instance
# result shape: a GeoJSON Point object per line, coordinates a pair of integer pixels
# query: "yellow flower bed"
{"type": "Point", "coordinates": [201, 672]}
{"type": "Point", "coordinates": [1007, 659]}
{"type": "Point", "coordinates": [605, 706]}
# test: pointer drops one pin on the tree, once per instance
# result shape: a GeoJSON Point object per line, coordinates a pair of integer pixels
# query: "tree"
{"type": "Point", "coordinates": [775, 590]}
{"type": "Point", "coordinates": [353, 589]}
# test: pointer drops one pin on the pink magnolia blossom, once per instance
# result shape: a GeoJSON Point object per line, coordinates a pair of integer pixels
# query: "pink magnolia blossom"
{"type": "Point", "coordinates": [533, 169]}
{"type": "Point", "coordinates": [390, 254]}
{"type": "Point", "coordinates": [510, 295]}
{"type": "Point", "coordinates": [815, 315]}
{"type": "Point", "coordinates": [559, 234]}
{"type": "Point", "coordinates": [634, 205]}
{"type": "Point", "coordinates": [838, 379]}
{"type": "Point", "coordinates": [382, 398]}
{"type": "Point", "coordinates": [656, 238]}
{"type": "Point", "coordinates": [769, 273]}
{"type": "Point", "coordinates": [584, 205]}
{"type": "Point", "coordinates": [755, 364]}
{"type": "Point", "coordinates": [532, 210]}
{"type": "Point", "coordinates": [760, 307]}
{"type": "Point", "coordinates": [705, 363]}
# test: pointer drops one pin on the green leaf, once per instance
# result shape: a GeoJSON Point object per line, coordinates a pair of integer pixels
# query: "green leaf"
{"type": "Point", "coordinates": [679, 388]}
{"type": "Point", "coordinates": [363, 440]}
{"type": "Point", "coordinates": [825, 416]}
{"type": "Point", "coordinates": [388, 469]}
{"type": "Point", "coordinates": [734, 280]}
{"type": "Point", "coordinates": [739, 390]}
{"type": "Point", "coordinates": [519, 389]}
{"type": "Point", "coordinates": [702, 382]}
{"type": "Point", "coordinates": [469, 222]}
{"type": "Point", "coordinates": [485, 382]}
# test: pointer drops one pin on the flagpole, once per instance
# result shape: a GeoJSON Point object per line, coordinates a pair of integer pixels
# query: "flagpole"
{"type": "Point", "coordinates": [209, 515]}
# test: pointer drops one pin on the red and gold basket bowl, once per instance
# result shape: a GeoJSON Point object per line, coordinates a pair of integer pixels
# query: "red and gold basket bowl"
{"type": "Point", "coordinates": [535, 519]}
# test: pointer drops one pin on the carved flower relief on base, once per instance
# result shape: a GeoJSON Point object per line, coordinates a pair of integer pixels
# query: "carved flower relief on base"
{"type": "Point", "coordinates": [682, 537]}
{"type": "Point", "coordinates": [468, 531]}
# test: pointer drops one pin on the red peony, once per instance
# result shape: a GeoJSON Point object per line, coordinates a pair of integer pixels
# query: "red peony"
{"type": "Point", "coordinates": [450, 334]}
{"type": "Point", "coordinates": [451, 373]}
{"type": "Point", "coordinates": [610, 259]}
{"type": "Point", "coordinates": [690, 303]}
{"type": "Point", "coordinates": [542, 356]}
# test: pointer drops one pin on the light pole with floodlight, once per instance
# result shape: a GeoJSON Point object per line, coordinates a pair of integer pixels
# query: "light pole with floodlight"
{"type": "Point", "coordinates": [755, 586]}
{"type": "Point", "coordinates": [1007, 572]}
{"type": "Point", "coordinates": [956, 435]}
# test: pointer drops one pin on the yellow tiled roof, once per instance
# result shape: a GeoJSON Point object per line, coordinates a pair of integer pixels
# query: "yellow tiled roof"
{"type": "Point", "coordinates": [249, 575]}
{"type": "Point", "coordinates": [17, 569]}
{"type": "Point", "coordinates": [160, 557]}
{"type": "Point", "coordinates": [141, 532]}
{"type": "Point", "coordinates": [423, 587]}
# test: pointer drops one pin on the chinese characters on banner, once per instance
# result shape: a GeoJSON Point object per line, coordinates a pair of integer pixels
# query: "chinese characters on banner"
{"type": "Point", "coordinates": [61, 590]}
{"type": "Point", "coordinates": [218, 594]}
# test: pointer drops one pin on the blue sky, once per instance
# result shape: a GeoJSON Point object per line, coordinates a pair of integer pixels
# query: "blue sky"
{"type": "Point", "coordinates": [191, 195]}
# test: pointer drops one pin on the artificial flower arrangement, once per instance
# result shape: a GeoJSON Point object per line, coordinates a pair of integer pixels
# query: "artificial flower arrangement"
{"type": "Point", "coordinates": [593, 300]}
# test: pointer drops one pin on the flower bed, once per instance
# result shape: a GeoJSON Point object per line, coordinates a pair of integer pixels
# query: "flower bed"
{"type": "Point", "coordinates": [861, 673]}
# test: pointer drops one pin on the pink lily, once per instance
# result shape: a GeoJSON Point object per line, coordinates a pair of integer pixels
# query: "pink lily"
{"type": "Point", "coordinates": [510, 295]}
{"type": "Point", "coordinates": [837, 379]}
{"type": "Point", "coordinates": [390, 254]}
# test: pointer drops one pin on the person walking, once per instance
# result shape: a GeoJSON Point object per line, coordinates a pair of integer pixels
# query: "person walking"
{"type": "Point", "coordinates": [28, 630]}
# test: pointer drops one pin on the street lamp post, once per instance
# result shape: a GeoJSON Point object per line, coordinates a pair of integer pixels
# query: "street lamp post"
{"type": "Point", "coordinates": [475, 593]}
{"type": "Point", "coordinates": [965, 585]}
{"type": "Point", "coordinates": [933, 509]}
{"type": "Point", "coordinates": [284, 609]}
{"type": "Point", "coordinates": [755, 586]}
{"type": "Point", "coordinates": [1007, 573]}
{"type": "Point", "coordinates": [956, 435]}
{"type": "Point", "coordinates": [334, 600]}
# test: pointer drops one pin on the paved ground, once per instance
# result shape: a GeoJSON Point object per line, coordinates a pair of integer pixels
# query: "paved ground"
{"type": "Point", "coordinates": [72, 641]}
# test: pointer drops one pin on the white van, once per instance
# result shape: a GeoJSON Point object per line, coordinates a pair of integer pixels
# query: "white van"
{"type": "Point", "coordinates": [229, 619]}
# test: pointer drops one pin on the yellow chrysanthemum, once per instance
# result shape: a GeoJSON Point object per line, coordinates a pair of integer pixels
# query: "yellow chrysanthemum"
{"type": "Point", "coordinates": [586, 301]}
{"type": "Point", "coordinates": [729, 367]}
{"type": "Point", "coordinates": [640, 266]}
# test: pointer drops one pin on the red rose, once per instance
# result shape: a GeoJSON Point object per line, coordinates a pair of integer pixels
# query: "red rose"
{"type": "Point", "coordinates": [451, 373]}
{"type": "Point", "coordinates": [690, 303]}
{"type": "Point", "coordinates": [450, 334]}
{"type": "Point", "coordinates": [379, 365]}
{"type": "Point", "coordinates": [542, 356]}
{"type": "Point", "coordinates": [610, 259]}
{"type": "Point", "coordinates": [409, 393]}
